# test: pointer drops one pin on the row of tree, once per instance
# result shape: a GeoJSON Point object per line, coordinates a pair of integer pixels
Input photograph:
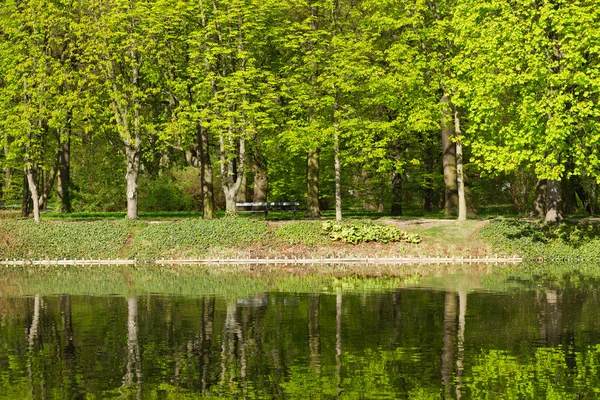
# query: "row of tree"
{"type": "Point", "coordinates": [389, 92]}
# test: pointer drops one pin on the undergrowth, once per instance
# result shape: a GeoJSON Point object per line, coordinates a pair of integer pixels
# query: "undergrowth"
{"type": "Point", "coordinates": [194, 237]}
{"type": "Point", "coordinates": [536, 240]}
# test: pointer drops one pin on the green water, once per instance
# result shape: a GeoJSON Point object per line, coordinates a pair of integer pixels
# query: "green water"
{"type": "Point", "coordinates": [328, 338]}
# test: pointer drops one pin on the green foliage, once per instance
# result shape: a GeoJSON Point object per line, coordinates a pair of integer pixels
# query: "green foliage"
{"type": "Point", "coordinates": [355, 232]}
{"type": "Point", "coordinates": [63, 240]}
{"type": "Point", "coordinates": [301, 232]}
{"type": "Point", "coordinates": [196, 237]}
{"type": "Point", "coordinates": [533, 240]}
{"type": "Point", "coordinates": [168, 192]}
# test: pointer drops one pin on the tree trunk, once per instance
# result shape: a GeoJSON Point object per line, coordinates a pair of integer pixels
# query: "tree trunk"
{"type": "Point", "coordinates": [26, 203]}
{"type": "Point", "coordinates": [241, 195]}
{"type": "Point", "coordinates": [64, 172]}
{"type": "Point", "coordinates": [337, 164]}
{"type": "Point", "coordinates": [230, 177]}
{"type": "Point", "coordinates": [539, 203]}
{"type": "Point", "coordinates": [554, 209]}
{"type": "Point", "coordinates": [312, 184]}
{"type": "Point", "coordinates": [7, 173]}
{"type": "Point", "coordinates": [449, 159]}
{"type": "Point", "coordinates": [31, 174]}
{"type": "Point", "coordinates": [133, 167]}
{"type": "Point", "coordinates": [462, 202]}
{"type": "Point", "coordinates": [206, 177]}
{"type": "Point", "coordinates": [429, 193]}
{"type": "Point", "coordinates": [261, 179]}
{"type": "Point", "coordinates": [396, 193]}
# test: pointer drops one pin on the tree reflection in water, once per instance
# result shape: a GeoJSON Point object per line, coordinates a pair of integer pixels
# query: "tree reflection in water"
{"type": "Point", "coordinates": [402, 343]}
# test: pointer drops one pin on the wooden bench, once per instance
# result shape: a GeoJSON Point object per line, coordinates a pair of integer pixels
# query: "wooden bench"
{"type": "Point", "coordinates": [265, 207]}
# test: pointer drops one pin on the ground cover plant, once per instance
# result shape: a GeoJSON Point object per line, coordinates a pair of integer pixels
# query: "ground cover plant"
{"type": "Point", "coordinates": [63, 240]}
{"type": "Point", "coordinates": [535, 240]}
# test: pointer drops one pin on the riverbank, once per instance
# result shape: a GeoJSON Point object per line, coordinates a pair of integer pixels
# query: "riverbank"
{"type": "Point", "coordinates": [242, 238]}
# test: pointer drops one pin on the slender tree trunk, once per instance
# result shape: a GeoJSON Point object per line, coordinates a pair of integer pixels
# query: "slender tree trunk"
{"type": "Point", "coordinates": [462, 202]}
{"type": "Point", "coordinates": [261, 179]}
{"type": "Point", "coordinates": [396, 193]}
{"type": "Point", "coordinates": [206, 172]}
{"type": "Point", "coordinates": [337, 167]}
{"type": "Point", "coordinates": [539, 203]}
{"type": "Point", "coordinates": [64, 170]}
{"type": "Point", "coordinates": [429, 193]}
{"type": "Point", "coordinates": [449, 158]}
{"type": "Point", "coordinates": [312, 184]}
{"type": "Point", "coordinates": [554, 209]}
{"type": "Point", "coordinates": [30, 173]}
{"type": "Point", "coordinates": [26, 203]}
{"type": "Point", "coordinates": [7, 173]}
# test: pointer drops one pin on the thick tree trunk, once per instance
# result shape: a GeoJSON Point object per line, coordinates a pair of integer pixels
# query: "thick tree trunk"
{"type": "Point", "coordinates": [31, 173]}
{"type": "Point", "coordinates": [64, 172]}
{"type": "Point", "coordinates": [396, 193]}
{"type": "Point", "coordinates": [312, 184]}
{"type": "Point", "coordinates": [242, 194]}
{"type": "Point", "coordinates": [261, 179]}
{"type": "Point", "coordinates": [449, 158]}
{"type": "Point", "coordinates": [230, 177]}
{"type": "Point", "coordinates": [539, 203]}
{"type": "Point", "coordinates": [554, 208]}
{"type": "Point", "coordinates": [462, 202]}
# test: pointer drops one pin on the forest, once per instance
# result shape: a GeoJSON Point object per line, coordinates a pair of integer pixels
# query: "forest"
{"type": "Point", "coordinates": [438, 106]}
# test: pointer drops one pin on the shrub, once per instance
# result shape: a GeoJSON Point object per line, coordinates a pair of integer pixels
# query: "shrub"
{"type": "Point", "coordinates": [356, 232]}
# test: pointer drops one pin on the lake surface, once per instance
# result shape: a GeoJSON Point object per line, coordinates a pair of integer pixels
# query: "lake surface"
{"type": "Point", "coordinates": [531, 341]}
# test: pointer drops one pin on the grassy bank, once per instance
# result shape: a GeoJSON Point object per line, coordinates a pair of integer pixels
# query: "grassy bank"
{"type": "Point", "coordinates": [197, 238]}
{"type": "Point", "coordinates": [567, 241]}
{"type": "Point", "coordinates": [256, 238]}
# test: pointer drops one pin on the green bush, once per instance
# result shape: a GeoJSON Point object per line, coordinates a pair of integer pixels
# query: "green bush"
{"type": "Point", "coordinates": [534, 240]}
{"type": "Point", "coordinates": [356, 232]}
{"type": "Point", "coordinates": [301, 232]}
{"type": "Point", "coordinates": [196, 237]}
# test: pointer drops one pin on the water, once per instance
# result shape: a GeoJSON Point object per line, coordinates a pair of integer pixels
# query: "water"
{"type": "Point", "coordinates": [335, 342]}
